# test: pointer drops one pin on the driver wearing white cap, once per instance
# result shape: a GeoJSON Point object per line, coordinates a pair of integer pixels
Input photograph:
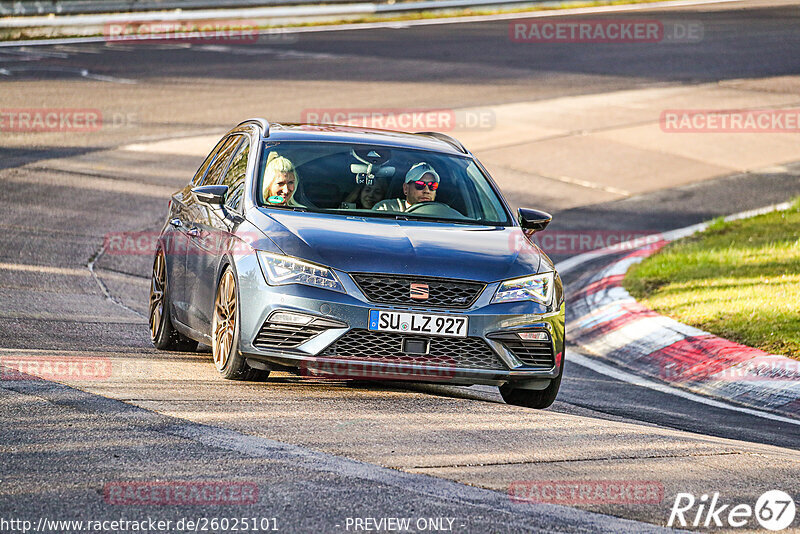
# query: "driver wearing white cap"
{"type": "Point", "coordinates": [420, 185]}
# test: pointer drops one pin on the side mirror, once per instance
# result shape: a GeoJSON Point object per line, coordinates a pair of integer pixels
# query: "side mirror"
{"type": "Point", "coordinates": [213, 195]}
{"type": "Point", "coordinates": [533, 221]}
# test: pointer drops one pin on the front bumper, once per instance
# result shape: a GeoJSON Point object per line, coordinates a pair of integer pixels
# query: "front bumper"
{"type": "Point", "coordinates": [349, 313]}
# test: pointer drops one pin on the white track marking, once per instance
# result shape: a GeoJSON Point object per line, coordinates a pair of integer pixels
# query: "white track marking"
{"type": "Point", "coordinates": [589, 185]}
{"type": "Point", "coordinates": [83, 73]}
{"type": "Point", "coordinates": [78, 50]}
{"type": "Point", "coordinates": [623, 376]}
{"type": "Point", "coordinates": [22, 51]}
{"type": "Point", "coordinates": [102, 78]}
{"type": "Point", "coordinates": [277, 52]}
{"type": "Point", "coordinates": [17, 59]}
{"type": "Point", "coordinates": [8, 55]}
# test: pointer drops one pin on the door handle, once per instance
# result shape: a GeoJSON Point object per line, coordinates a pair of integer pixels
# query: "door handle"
{"type": "Point", "coordinates": [193, 232]}
{"type": "Point", "coordinates": [176, 222]}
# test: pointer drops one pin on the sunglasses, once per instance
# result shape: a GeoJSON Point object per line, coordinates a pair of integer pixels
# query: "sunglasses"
{"type": "Point", "coordinates": [420, 185]}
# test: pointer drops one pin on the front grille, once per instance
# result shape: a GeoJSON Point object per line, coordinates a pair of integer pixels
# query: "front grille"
{"type": "Point", "coordinates": [466, 352]}
{"type": "Point", "coordinates": [288, 336]}
{"type": "Point", "coordinates": [396, 289]}
{"type": "Point", "coordinates": [531, 353]}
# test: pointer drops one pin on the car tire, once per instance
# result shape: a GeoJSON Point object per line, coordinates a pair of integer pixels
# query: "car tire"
{"type": "Point", "coordinates": [230, 363]}
{"type": "Point", "coordinates": [532, 398]}
{"type": "Point", "coordinates": [162, 333]}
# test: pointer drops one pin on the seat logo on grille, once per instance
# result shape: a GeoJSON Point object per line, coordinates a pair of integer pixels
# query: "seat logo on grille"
{"type": "Point", "coordinates": [419, 292]}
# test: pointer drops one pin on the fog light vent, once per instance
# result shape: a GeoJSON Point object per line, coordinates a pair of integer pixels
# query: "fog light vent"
{"type": "Point", "coordinates": [534, 336]}
{"type": "Point", "coordinates": [287, 330]}
{"type": "Point", "coordinates": [533, 349]}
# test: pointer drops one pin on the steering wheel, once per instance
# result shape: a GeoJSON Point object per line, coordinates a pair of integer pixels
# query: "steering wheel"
{"type": "Point", "coordinates": [436, 209]}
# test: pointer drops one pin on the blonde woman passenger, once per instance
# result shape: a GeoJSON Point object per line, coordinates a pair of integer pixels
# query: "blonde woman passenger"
{"type": "Point", "coordinates": [280, 181]}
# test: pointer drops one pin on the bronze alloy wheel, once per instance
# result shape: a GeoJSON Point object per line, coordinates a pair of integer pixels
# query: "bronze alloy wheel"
{"type": "Point", "coordinates": [224, 322]}
{"type": "Point", "coordinates": [225, 334]}
{"type": "Point", "coordinates": [157, 284]}
{"type": "Point", "coordinates": [162, 332]}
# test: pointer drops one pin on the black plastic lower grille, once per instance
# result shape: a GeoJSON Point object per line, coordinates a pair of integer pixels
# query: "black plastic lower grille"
{"type": "Point", "coordinates": [469, 352]}
{"type": "Point", "coordinates": [286, 336]}
{"type": "Point", "coordinates": [533, 353]}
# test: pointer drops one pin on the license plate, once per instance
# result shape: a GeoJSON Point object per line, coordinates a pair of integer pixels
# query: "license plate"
{"type": "Point", "coordinates": [417, 323]}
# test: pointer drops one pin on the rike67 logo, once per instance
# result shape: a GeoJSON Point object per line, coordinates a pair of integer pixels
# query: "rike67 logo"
{"type": "Point", "coordinates": [774, 510]}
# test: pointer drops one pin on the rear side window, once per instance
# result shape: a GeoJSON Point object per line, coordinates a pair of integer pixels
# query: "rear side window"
{"type": "Point", "coordinates": [237, 174]}
{"type": "Point", "coordinates": [214, 174]}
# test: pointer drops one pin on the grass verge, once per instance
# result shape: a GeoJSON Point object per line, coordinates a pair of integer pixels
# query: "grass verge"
{"type": "Point", "coordinates": [739, 280]}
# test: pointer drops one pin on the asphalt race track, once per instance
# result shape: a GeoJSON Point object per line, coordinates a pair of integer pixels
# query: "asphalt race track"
{"type": "Point", "coordinates": [322, 453]}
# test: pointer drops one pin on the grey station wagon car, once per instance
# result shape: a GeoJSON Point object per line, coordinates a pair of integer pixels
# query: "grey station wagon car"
{"type": "Point", "coordinates": [358, 254]}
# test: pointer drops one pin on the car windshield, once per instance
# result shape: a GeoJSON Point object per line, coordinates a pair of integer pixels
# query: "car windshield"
{"type": "Point", "coordinates": [377, 181]}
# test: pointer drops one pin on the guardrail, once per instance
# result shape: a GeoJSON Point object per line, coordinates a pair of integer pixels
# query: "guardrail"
{"type": "Point", "coordinates": [27, 8]}
{"type": "Point", "coordinates": [80, 7]}
{"type": "Point", "coordinates": [285, 10]}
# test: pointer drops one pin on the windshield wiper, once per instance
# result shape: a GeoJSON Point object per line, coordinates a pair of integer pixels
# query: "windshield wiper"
{"type": "Point", "coordinates": [467, 222]}
{"type": "Point", "coordinates": [425, 218]}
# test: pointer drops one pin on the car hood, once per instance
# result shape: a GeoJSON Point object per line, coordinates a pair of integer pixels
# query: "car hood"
{"type": "Point", "coordinates": [386, 245]}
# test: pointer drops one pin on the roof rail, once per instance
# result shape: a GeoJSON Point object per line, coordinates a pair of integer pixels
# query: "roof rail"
{"type": "Point", "coordinates": [447, 139]}
{"type": "Point", "coordinates": [264, 123]}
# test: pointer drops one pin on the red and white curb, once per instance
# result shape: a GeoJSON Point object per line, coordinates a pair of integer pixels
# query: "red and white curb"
{"type": "Point", "coordinates": [607, 322]}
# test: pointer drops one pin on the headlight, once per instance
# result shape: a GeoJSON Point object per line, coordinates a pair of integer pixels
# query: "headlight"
{"type": "Point", "coordinates": [281, 270]}
{"type": "Point", "coordinates": [538, 287]}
